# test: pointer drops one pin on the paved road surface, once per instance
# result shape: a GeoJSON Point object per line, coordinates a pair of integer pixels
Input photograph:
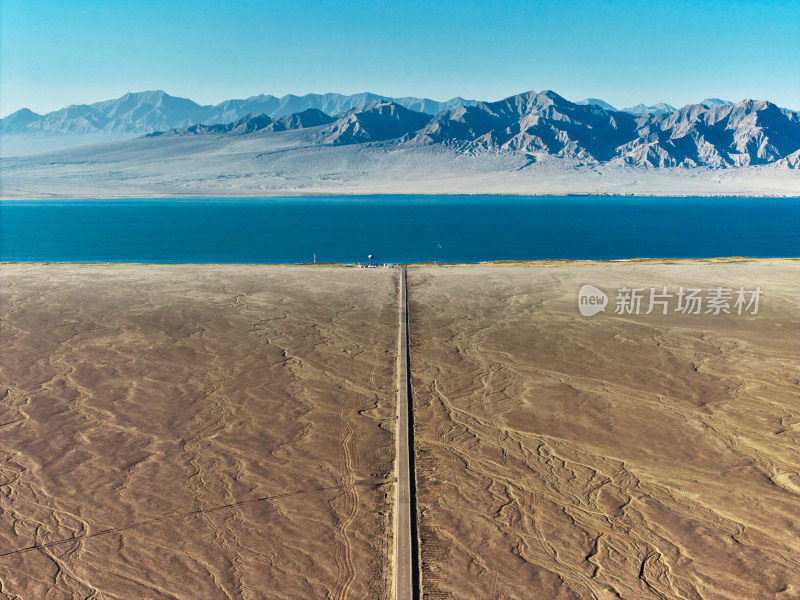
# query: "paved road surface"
{"type": "Point", "coordinates": [404, 555]}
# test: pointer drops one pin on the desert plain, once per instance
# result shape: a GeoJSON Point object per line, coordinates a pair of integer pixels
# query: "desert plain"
{"type": "Point", "coordinates": [610, 456]}
{"type": "Point", "coordinates": [204, 431]}
{"type": "Point", "coordinates": [200, 432]}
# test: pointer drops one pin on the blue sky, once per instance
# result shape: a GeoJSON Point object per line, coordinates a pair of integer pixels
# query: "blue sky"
{"type": "Point", "coordinates": [54, 53]}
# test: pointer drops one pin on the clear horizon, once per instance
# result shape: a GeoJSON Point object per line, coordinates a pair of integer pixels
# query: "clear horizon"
{"type": "Point", "coordinates": [624, 53]}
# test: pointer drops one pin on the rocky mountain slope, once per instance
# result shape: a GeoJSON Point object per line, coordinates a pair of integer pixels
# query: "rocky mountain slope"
{"type": "Point", "coordinates": [377, 121]}
{"type": "Point", "coordinates": [533, 123]}
{"type": "Point", "coordinates": [310, 117]}
{"type": "Point", "coordinates": [752, 132]}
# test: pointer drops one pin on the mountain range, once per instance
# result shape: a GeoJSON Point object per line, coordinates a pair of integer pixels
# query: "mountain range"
{"type": "Point", "coordinates": [144, 112]}
{"type": "Point", "coordinates": [713, 133]}
{"type": "Point", "coordinates": [662, 108]}
{"type": "Point", "coordinates": [751, 132]}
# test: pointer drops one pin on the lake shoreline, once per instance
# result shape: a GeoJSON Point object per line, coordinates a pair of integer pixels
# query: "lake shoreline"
{"type": "Point", "coordinates": [711, 260]}
{"type": "Point", "coordinates": [318, 194]}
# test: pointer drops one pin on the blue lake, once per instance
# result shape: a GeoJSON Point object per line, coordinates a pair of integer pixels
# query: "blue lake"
{"type": "Point", "coordinates": [395, 229]}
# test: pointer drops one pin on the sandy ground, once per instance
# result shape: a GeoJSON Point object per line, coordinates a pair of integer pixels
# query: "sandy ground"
{"type": "Point", "coordinates": [209, 432]}
{"type": "Point", "coordinates": [226, 432]}
{"type": "Point", "coordinates": [293, 162]}
{"type": "Point", "coordinates": [637, 456]}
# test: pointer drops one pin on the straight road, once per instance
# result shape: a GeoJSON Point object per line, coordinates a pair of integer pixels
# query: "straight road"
{"type": "Point", "coordinates": [405, 543]}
